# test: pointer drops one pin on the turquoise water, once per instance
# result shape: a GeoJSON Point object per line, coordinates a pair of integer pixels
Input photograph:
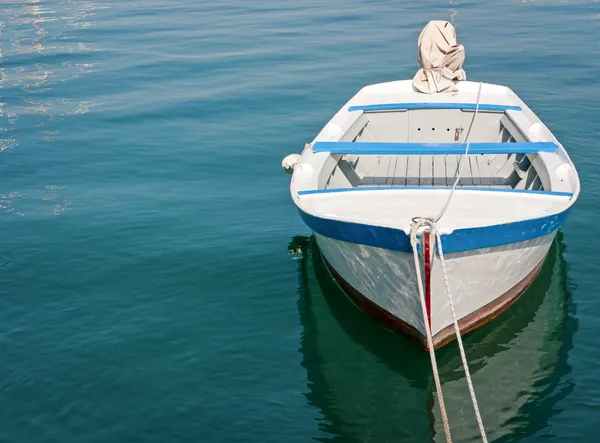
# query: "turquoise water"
{"type": "Point", "coordinates": [146, 289]}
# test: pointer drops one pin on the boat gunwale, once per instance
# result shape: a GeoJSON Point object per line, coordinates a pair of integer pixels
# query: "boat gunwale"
{"type": "Point", "coordinates": [483, 107]}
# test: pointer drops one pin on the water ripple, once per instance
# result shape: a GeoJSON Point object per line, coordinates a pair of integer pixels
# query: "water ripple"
{"type": "Point", "coordinates": [40, 47]}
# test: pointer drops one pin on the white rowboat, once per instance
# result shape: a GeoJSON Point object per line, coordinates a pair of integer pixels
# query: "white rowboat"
{"type": "Point", "coordinates": [391, 154]}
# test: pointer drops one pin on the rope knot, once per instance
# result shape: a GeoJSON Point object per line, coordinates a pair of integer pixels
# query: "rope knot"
{"type": "Point", "coordinates": [418, 223]}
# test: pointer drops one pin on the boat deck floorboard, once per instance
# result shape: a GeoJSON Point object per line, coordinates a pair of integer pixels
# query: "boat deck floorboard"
{"type": "Point", "coordinates": [427, 170]}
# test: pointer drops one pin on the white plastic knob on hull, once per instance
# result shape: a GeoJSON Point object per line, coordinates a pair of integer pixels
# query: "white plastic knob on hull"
{"type": "Point", "coordinates": [289, 162]}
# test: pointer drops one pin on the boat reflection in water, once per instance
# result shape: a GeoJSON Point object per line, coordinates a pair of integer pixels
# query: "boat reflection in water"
{"type": "Point", "coordinates": [375, 386]}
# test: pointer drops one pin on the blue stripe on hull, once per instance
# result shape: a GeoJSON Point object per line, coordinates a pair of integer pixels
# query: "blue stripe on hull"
{"type": "Point", "coordinates": [460, 240]}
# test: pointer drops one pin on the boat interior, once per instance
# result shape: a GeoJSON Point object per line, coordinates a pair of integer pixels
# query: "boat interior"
{"type": "Point", "coordinates": [435, 126]}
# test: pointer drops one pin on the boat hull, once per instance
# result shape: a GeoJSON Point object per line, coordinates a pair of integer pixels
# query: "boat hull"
{"type": "Point", "coordinates": [484, 283]}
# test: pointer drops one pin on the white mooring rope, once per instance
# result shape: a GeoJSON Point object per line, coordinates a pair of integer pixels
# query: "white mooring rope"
{"type": "Point", "coordinates": [458, 337]}
{"type": "Point", "coordinates": [436, 376]}
{"type": "Point", "coordinates": [430, 225]}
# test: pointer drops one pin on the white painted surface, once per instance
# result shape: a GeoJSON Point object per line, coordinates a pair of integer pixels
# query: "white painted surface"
{"type": "Point", "coordinates": [385, 277]}
{"type": "Point", "coordinates": [477, 277]}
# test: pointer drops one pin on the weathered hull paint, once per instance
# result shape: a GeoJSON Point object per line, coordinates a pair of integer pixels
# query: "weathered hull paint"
{"type": "Point", "coordinates": [488, 312]}
{"type": "Point", "coordinates": [484, 282]}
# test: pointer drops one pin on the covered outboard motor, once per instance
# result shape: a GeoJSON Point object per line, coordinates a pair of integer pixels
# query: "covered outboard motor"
{"type": "Point", "coordinates": [440, 58]}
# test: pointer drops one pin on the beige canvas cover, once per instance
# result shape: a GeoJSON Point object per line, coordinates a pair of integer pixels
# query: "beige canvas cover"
{"type": "Point", "coordinates": [440, 58]}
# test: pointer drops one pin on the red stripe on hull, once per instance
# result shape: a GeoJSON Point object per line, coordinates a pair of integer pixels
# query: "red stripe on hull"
{"type": "Point", "coordinates": [427, 251]}
{"type": "Point", "coordinates": [466, 324]}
